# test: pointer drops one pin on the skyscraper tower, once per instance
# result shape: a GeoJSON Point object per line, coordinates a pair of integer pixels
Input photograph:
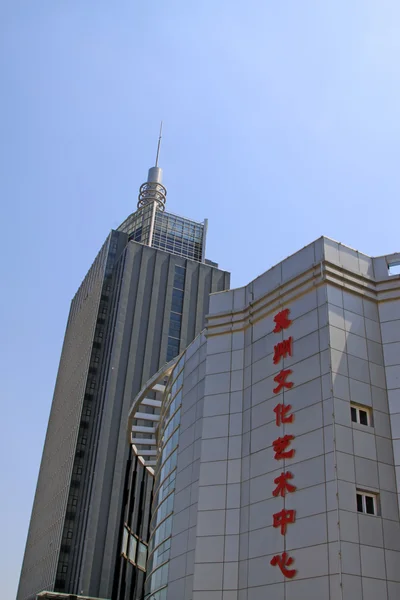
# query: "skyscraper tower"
{"type": "Point", "coordinates": [143, 300]}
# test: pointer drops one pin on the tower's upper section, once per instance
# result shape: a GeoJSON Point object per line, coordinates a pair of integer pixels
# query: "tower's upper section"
{"type": "Point", "coordinates": [153, 226]}
{"type": "Point", "coordinates": [153, 190]}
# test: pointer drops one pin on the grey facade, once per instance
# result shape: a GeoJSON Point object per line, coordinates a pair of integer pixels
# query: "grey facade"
{"type": "Point", "coordinates": [216, 530]}
{"type": "Point", "coordinates": [137, 307]}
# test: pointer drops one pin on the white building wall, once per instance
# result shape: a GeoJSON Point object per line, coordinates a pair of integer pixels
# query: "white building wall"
{"type": "Point", "coordinates": [224, 538]}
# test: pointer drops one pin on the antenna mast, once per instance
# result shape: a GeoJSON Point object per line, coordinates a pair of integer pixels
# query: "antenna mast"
{"type": "Point", "coordinates": [153, 190]}
{"type": "Point", "coordinates": [159, 144]}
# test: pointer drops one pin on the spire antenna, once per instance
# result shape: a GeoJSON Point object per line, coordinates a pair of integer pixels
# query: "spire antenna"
{"type": "Point", "coordinates": [153, 191]}
{"type": "Point", "coordinates": [159, 144]}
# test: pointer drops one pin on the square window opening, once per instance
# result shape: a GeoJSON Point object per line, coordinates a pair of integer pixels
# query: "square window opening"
{"type": "Point", "coordinates": [367, 503]}
{"type": "Point", "coordinates": [361, 415]}
{"type": "Point", "coordinates": [394, 269]}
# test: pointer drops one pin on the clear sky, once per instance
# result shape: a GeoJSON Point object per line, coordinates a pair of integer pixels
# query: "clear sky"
{"type": "Point", "coordinates": [281, 123]}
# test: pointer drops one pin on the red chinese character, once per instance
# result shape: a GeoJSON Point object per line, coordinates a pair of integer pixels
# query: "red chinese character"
{"type": "Point", "coordinates": [283, 349]}
{"type": "Point", "coordinates": [281, 519]}
{"type": "Point", "coordinates": [284, 561]}
{"type": "Point", "coordinates": [283, 486]}
{"type": "Point", "coordinates": [282, 320]}
{"type": "Point", "coordinates": [281, 380]}
{"type": "Point", "coordinates": [281, 411]}
{"type": "Point", "coordinates": [280, 446]}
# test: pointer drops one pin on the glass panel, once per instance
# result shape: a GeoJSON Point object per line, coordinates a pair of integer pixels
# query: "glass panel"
{"type": "Point", "coordinates": [175, 329]}
{"type": "Point", "coordinates": [363, 417]}
{"type": "Point", "coordinates": [172, 348]}
{"type": "Point", "coordinates": [177, 294]}
{"type": "Point", "coordinates": [177, 304]}
{"type": "Point", "coordinates": [132, 548]}
{"type": "Point", "coordinates": [359, 503]}
{"type": "Point", "coordinates": [163, 594]}
{"type": "Point", "coordinates": [353, 414]}
{"type": "Point", "coordinates": [176, 317]}
{"type": "Point", "coordinates": [179, 282]}
{"type": "Point", "coordinates": [141, 555]}
{"type": "Point", "coordinates": [369, 505]}
{"type": "Point", "coordinates": [125, 536]}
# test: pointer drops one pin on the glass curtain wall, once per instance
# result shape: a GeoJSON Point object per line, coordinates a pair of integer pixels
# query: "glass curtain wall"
{"type": "Point", "coordinates": [175, 322]}
{"type": "Point", "coordinates": [171, 233]}
{"type": "Point", "coordinates": [138, 225]}
{"type": "Point", "coordinates": [178, 235]}
{"type": "Point", "coordinates": [164, 488]}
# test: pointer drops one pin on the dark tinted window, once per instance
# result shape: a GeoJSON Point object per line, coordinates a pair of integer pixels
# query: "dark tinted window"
{"type": "Point", "coordinates": [369, 505]}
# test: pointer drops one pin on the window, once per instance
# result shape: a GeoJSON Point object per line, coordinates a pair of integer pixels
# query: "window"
{"type": "Point", "coordinates": [177, 300]}
{"type": "Point", "coordinates": [394, 268]}
{"type": "Point", "coordinates": [125, 538]}
{"type": "Point", "coordinates": [179, 277]}
{"type": "Point", "coordinates": [132, 548]}
{"type": "Point", "coordinates": [175, 328]}
{"type": "Point", "coordinates": [172, 348]}
{"type": "Point", "coordinates": [367, 503]}
{"type": "Point", "coordinates": [361, 415]}
{"type": "Point", "coordinates": [141, 556]}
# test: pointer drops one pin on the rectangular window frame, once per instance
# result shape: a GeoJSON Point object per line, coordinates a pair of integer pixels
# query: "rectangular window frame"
{"type": "Point", "coordinates": [360, 413]}
{"type": "Point", "coordinates": [362, 498]}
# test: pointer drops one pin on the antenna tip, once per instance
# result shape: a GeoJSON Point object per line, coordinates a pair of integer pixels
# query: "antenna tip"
{"type": "Point", "coordinates": [159, 144]}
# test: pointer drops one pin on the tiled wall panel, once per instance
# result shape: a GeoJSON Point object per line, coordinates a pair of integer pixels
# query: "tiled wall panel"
{"type": "Point", "coordinates": [345, 352]}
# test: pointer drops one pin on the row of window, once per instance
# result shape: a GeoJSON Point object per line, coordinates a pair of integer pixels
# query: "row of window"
{"type": "Point", "coordinates": [178, 236]}
{"type": "Point", "coordinates": [91, 384]}
{"type": "Point", "coordinates": [178, 226]}
{"type": "Point", "coordinates": [163, 502]}
{"type": "Point", "coordinates": [137, 226]}
{"type": "Point", "coordinates": [133, 549]}
{"type": "Point", "coordinates": [191, 250]}
{"type": "Point", "coordinates": [366, 502]}
{"type": "Point", "coordinates": [158, 579]}
{"type": "Point", "coordinates": [175, 325]}
{"type": "Point", "coordinates": [177, 301]}
{"type": "Point", "coordinates": [164, 489]}
{"type": "Point", "coordinates": [175, 321]}
{"type": "Point", "coordinates": [163, 509]}
{"type": "Point", "coordinates": [171, 233]}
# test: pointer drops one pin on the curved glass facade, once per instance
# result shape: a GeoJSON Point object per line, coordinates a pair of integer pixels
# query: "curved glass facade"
{"type": "Point", "coordinates": [164, 487]}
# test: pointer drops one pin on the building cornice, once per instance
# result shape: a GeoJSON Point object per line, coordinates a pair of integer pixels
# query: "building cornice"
{"type": "Point", "coordinates": [382, 290]}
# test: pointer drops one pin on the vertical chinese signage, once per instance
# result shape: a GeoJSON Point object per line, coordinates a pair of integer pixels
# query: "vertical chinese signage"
{"type": "Point", "coordinates": [282, 446]}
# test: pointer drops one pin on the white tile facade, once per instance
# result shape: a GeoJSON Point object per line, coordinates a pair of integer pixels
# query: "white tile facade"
{"type": "Point", "coordinates": [345, 350]}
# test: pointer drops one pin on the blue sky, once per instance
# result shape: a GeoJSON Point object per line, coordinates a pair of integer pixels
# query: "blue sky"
{"type": "Point", "coordinates": [281, 123]}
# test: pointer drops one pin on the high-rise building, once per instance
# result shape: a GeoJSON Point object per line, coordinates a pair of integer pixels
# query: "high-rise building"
{"type": "Point", "coordinates": [277, 438]}
{"type": "Point", "coordinates": [142, 302]}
